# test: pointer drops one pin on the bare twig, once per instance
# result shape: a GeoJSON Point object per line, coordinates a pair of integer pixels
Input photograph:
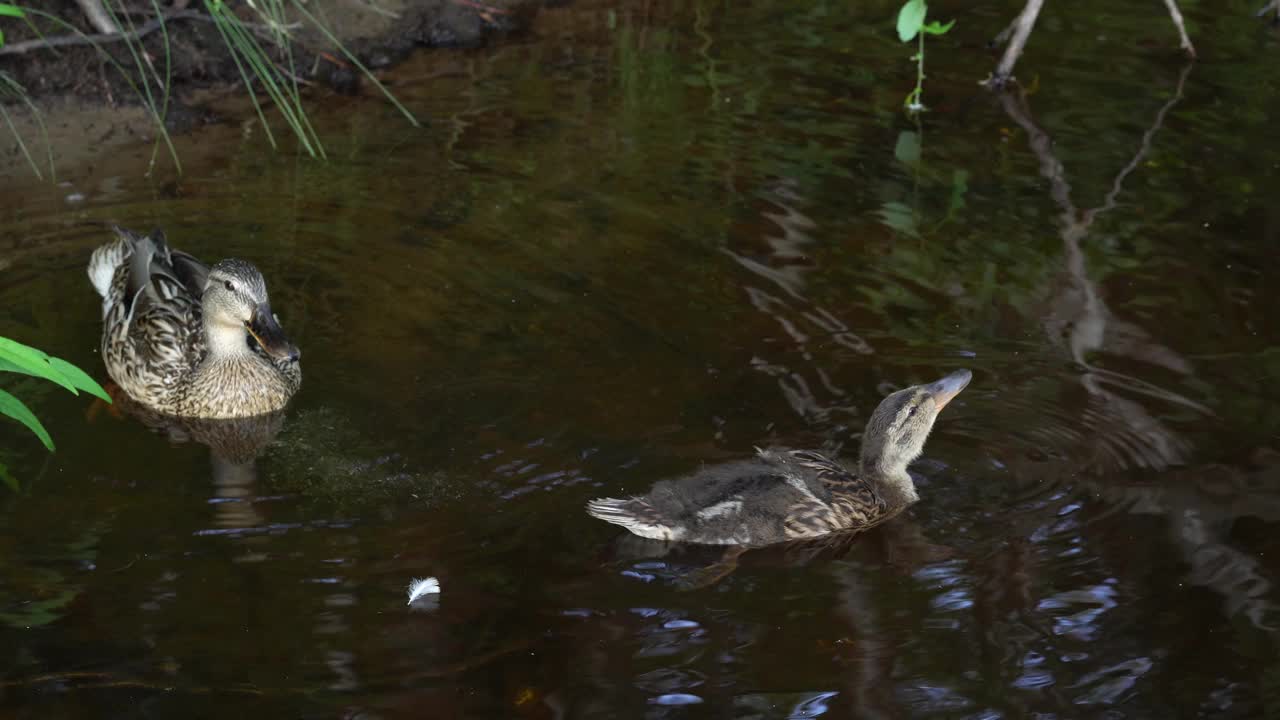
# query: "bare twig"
{"type": "Point", "coordinates": [1021, 31]}
{"type": "Point", "coordinates": [1176, 15]}
{"type": "Point", "coordinates": [146, 28]}
{"type": "Point", "coordinates": [1021, 27]}
{"type": "Point", "coordinates": [20, 48]}
{"type": "Point", "coordinates": [98, 16]}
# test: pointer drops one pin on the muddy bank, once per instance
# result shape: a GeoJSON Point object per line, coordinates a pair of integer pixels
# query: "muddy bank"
{"type": "Point", "coordinates": [91, 95]}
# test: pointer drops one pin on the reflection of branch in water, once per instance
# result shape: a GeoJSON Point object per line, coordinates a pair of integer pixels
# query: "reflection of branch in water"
{"type": "Point", "coordinates": [1198, 523]}
{"type": "Point", "coordinates": [1080, 318]}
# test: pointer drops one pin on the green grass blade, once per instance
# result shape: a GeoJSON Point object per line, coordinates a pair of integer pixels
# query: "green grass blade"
{"type": "Point", "coordinates": [251, 58]}
{"type": "Point", "coordinates": [264, 69]}
{"type": "Point", "coordinates": [168, 73]}
{"type": "Point", "coordinates": [21, 92]}
{"type": "Point", "coordinates": [128, 78]}
{"type": "Point", "coordinates": [14, 408]}
{"type": "Point", "coordinates": [355, 61]}
{"type": "Point", "coordinates": [22, 145]}
{"type": "Point", "coordinates": [221, 23]}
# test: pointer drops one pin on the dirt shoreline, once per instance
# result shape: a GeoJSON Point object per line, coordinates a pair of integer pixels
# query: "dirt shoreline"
{"type": "Point", "coordinates": [87, 105]}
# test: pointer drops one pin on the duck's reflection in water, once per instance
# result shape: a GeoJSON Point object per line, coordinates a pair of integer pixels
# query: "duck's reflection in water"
{"type": "Point", "coordinates": [899, 544]}
{"type": "Point", "coordinates": [234, 447]}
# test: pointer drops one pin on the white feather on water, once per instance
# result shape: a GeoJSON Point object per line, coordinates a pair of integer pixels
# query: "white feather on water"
{"type": "Point", "coordinates": [423, 587]}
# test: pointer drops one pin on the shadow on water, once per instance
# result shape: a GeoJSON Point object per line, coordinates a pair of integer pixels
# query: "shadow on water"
{"type": "Point", "coordinates": [649, 237]}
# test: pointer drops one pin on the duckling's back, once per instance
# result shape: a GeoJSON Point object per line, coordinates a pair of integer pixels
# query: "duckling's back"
{"type": "Point", "coordinates": [760, 501]}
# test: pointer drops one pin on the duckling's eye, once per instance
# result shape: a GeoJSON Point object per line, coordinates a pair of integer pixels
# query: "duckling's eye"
{"type": "Point", "coordinates": [227, 284]}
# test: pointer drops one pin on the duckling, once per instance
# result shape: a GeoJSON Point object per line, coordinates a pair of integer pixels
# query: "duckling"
{"type": "Point", "coordinates": [783, 495]}
{"type": "Point", "coordinates": [188, 340]}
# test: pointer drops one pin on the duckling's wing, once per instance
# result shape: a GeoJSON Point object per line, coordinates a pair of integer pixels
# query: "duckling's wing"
{"type": "Point", "coordinates": [841, 500]}
{"type": "Point", "coordinates": [817, 471]}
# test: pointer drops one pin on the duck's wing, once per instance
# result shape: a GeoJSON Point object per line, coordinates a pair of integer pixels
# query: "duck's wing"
{"type": "Point", "coordinates": [163, 307]}
{"type": "Point", "coordinates": [193, 274]}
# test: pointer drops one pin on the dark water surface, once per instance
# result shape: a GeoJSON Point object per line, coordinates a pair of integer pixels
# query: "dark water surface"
{"type": "Point", "coordinates": [650, 236]}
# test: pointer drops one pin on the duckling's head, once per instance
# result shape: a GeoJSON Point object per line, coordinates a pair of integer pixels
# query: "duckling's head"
{"type": "Point", "coordinates": [235, 303]}
{"type": "Point", "coordinates": [897, 430]}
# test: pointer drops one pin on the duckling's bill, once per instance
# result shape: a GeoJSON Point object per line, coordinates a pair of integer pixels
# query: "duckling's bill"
{"type": "Point", "coordinates": [945, 390]}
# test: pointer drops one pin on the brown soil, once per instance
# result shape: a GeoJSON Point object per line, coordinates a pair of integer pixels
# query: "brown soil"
{"type": "Point", "coordinates": [87, 102]}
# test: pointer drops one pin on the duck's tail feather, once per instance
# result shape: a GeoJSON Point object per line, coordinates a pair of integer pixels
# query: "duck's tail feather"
{"type": "Point", "coordinates": [108, 257]}
{"type": "Point", "coordinates": [635, 515]}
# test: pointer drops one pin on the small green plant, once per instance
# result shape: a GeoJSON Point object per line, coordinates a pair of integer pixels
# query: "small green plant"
{"type": "Point", "coordinates": [18, 358]}
{"type": "Point", "coordinates": [911, 25]}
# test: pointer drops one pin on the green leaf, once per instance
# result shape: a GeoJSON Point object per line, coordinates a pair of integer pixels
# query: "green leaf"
{"type": "Point", "coordinates": [911, 19]}
{"type": "Point", "coordinates": [79, 378]}
{"type": "Point", "coordinates": [937, 28]}
{"type": "Point", "coordinates": [14, 408]}
{"type": "Point", "coordinates": [8, 10]}
{"type": "Point", "coordinates": [32, 362]}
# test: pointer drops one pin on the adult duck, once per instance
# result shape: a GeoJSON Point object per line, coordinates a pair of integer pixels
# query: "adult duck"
{"type": "Point", "coordinates": [783, 495]}
{"type": "Point", "coordinates": [190, 340]}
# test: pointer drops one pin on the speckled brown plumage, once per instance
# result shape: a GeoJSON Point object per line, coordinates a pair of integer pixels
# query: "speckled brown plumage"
{"type": "Point", "coordinates": [158, 331]}
{"type": "Point", "coordinates": [782, 495]}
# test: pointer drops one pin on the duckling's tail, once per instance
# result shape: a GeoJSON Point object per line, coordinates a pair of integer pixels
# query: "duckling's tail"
{"type": "Point", "coordinates": [635, 515]}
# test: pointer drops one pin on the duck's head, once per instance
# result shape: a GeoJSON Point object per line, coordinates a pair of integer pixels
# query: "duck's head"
{"type": "Point", "coordinates": [235, 304]}
{"type": "Point", "coordinates": [897, 430]}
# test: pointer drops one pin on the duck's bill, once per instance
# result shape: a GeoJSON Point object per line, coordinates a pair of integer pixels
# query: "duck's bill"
{"type": "Point", "coordinates": [266, 331]}
{"type": "Point", "coordinates": [944, 390]}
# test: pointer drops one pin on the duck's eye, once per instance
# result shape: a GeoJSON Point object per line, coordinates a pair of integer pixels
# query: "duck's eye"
{"type": "Point", "coordinates": [227, 284]}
